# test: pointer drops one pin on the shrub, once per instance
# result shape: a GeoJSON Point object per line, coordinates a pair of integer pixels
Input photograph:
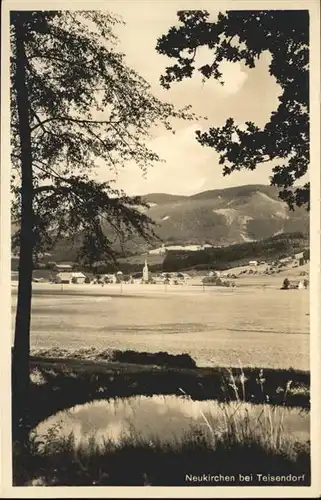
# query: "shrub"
{"type": "Point", "coordinates": [158, 358]}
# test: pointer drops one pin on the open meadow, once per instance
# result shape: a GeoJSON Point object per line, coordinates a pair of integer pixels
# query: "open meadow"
{"type": "Point", "coordinates": [260, 326]}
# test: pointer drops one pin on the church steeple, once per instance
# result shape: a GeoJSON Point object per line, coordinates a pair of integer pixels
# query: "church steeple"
{"type": "Point", "coordinates": [145, 272]}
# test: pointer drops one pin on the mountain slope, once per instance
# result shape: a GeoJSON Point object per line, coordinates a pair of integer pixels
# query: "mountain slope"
{"type": "Point", "coordinates": [218, 217]}
{"type": "Point", "coordinates": [225, 216]}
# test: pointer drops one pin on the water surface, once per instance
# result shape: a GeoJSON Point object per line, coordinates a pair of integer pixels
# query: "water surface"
{"type": "Point", "coordinates": [167, 418]}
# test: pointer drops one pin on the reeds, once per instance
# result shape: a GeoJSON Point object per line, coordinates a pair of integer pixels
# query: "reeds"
{"type": "Point", "coordinates": [240, 423]}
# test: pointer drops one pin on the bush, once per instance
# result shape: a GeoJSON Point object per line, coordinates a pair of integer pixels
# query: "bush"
{"type": "Point", "coordinates": [286, 284]}
{"type": "Point", "coordinates": [158, 358]}
{"type": "Point", "coordinates": [209, 280]}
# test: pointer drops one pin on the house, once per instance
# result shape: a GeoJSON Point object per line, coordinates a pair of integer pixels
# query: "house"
{"type": "Point", "coordinates": [109, 278]}
{"type": "Point", "coordinates": [216, 274]}
{"type": "Point", "coordinates": [158, 279]}
{"type": "Point", "coordinates": [67, 278]}
{"type": "Point", "coordinates": [285, 260]}
{"type": "Point", "coordinates": [78, 278]}
{"type": "Point", "coordinates": [183, 277]}
{"type": "Point", "coordinates": [294, 284]}
{"type": "Point", "coordinates": [63, 278]}
{"type": "Point", "coordinates": [62, 268]}
{"type": "Point", "coordinates": [253, 263]}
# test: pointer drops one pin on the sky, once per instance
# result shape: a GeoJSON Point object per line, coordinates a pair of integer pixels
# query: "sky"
{"type": "Point", "coordinates": [248, 94]}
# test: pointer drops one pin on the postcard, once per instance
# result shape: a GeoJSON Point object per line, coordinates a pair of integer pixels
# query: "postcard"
{"type": "Point", "coordinates": [160, 249]}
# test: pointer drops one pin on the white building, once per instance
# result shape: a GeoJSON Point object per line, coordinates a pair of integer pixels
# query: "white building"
{"type": "Point", "coordinates": [78, 278]}
{"type": "Point", "coordinates": [286, 260]}
{"type": "Point", "coordinates": [63, 278]}
{"type": "Point", "coordinates": [214, 274]}
{"type": "Point", "coordinates": [67, 278]}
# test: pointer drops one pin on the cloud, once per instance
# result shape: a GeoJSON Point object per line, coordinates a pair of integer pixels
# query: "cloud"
{"type": "Point", "coordinates": [233, 77]}
{"type": "Point", "coordinates": [188, 166]}
{"type": "Point", "coordinates": [183, 170]}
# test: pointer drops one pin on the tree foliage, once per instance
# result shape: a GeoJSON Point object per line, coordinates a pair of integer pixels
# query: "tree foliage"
{"type": "Point", "coordinates": [74, 105]}
{"type": "Point", "coordinates": [242, 36]}
{"type": "Point", "coordinates": [269, 249]}
{"type": "Point", "coordinates": [306, 254]}
{"type": "Point", "coordinates": [86, 108]}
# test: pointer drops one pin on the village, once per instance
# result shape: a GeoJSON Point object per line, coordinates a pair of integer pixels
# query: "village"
{"type": "Point", "coordinates": [295, 266]}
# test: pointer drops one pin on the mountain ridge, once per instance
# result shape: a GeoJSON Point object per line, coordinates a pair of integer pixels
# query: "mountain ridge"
{"type": "Point", "coordinates": [218, 217]}
{"type": "Point", "coordinates": [224, 216]}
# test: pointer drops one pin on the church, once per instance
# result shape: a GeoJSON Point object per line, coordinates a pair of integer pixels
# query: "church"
{"type": "Point", "coordinates": [145, 273]}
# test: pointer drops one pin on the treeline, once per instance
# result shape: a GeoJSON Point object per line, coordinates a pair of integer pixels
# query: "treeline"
{"type": "Point", "coordinates": [270, 249]}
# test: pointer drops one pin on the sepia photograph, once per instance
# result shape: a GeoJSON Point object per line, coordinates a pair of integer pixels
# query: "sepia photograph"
{"type": "Point", "coordinates": [160, 201]}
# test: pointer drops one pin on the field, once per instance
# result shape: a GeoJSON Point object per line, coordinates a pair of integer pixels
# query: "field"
{"type": "Point", "coordinates": [256, 325]}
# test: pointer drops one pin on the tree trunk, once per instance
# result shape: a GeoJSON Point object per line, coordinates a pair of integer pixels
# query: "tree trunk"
{"type": "Point", "coordinates": [20, 359]}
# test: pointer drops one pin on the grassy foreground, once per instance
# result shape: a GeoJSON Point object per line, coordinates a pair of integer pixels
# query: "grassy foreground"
{"type": "Point", "coordinates": [215, 453]}
{"type": "Point", "coordinates": [59, 384]}
{"type": "Point", "coordinates": [133, 462]}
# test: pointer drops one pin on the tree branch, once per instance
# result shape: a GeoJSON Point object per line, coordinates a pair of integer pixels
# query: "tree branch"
{"type": "Point", "coordinates": [72, 120]}
{"type": "Point", "coordinates": [193, 56]}
{"type": "Point", "coordinates": [40, 123]}
{"type": "Point", "coordinates": [44, 189]}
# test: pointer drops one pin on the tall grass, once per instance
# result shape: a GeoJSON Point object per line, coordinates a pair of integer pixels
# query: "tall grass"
{"type": "Point", "coordinates": [239, 422]}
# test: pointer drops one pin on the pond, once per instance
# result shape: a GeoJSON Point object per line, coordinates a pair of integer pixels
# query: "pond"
{"type": "Point", "coordinates": [169, 419]}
